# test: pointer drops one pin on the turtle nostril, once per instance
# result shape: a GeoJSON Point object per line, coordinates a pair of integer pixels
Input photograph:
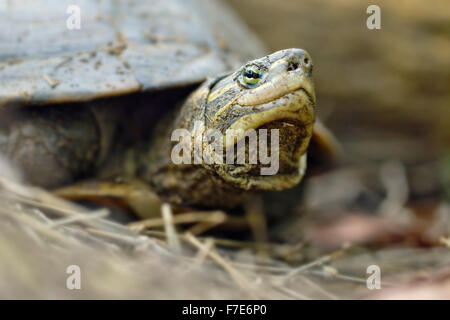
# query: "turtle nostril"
{"type": "Point", "coordinates": [292, 66]}
{"type": "Point", "coordinates": [300, 61]}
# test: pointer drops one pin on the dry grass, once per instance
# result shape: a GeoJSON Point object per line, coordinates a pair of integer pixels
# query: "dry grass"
{"type": "Point", "coordinates": [41, 235]}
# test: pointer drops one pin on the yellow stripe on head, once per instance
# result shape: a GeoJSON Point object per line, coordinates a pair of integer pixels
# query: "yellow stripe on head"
{"type": "Point", "coordinates": [220, 91]}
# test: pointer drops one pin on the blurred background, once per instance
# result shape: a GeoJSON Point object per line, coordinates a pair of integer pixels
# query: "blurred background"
{"type": "Point", "coordinates": [385, 92]}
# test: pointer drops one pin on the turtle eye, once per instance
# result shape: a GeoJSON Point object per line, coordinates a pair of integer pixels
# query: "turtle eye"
{"type": "Point", "coordinates": [251, 76]}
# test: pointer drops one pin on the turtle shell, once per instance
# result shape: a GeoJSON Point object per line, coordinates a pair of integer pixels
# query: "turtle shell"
{"type": "Point", "coordinates": [120, 47]}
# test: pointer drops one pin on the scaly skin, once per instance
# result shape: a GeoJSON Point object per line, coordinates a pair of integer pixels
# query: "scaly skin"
{"type": "Point", "coordinates": [283, 99]}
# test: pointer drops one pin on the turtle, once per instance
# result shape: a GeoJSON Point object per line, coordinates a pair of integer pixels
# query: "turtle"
{"type": "Point", "coordinates": [97, 102]}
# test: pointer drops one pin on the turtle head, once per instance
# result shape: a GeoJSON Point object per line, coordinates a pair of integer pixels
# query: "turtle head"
{"type": "Point", "coordinates": [243, 131]}
{"type": "Point", "coordinates": [267, 101]}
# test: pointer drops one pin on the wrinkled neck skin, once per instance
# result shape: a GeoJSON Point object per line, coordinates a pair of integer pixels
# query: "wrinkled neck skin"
{"type": "Point", "coordinates": [270, 120]}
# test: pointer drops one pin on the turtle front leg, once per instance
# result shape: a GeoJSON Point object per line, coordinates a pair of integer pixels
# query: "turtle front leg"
{"type": "Point", "coordinates": [51, 145]}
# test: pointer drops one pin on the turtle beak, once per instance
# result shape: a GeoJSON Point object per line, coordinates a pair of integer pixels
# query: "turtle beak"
{"type": "Point", "coordinates": [282, 106]}
{"type": "Point", "coordinates": [288, 123]}
{"type": "Point", "coordinates": [285, 101]}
